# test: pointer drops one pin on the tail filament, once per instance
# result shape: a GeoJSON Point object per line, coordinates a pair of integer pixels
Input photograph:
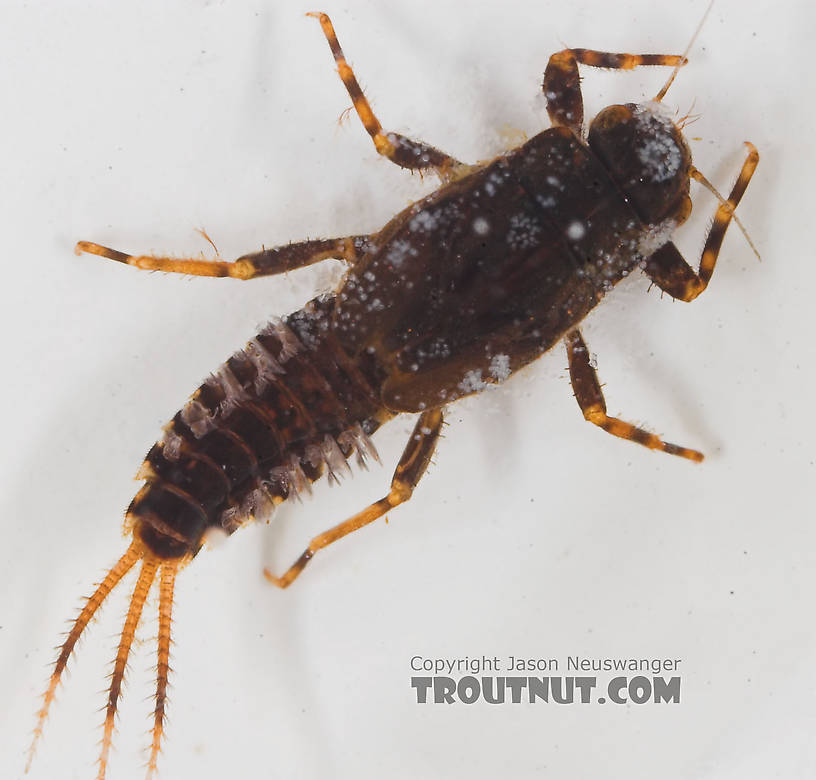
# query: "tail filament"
{"type": "Point", "coordinates": [146, 577]}
{"type": "Point", "coordinates": [122, 567]}
{"type": "Point", "coordinates": [166, 584]}
{"type": "Point", "coordinates": [151, 567]}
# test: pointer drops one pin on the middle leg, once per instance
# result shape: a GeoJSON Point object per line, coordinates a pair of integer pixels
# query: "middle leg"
{"type": "Point", "coordinates": [590, 398]}
{"type": "Point", "coordinates": [264, 263]}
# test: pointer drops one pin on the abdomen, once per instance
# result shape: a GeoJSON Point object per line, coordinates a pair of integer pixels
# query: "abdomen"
{"type": "Point", "coordinates": [277, 415]}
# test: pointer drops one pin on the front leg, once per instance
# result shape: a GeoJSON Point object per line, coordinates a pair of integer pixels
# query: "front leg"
{"type": "Point", "coordinates": [267, 262]}
{"type": "Point", "coordinates": [668, 269]}
{"type": "Point", "coordinates": [562, 85]}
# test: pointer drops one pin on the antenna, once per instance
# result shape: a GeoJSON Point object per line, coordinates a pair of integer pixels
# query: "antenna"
{"type": "Point", "coordinates": [660, 95]}
{"type": "Point", "coordinates": [697, 176]}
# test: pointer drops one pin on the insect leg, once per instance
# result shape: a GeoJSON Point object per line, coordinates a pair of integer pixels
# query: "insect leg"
{"type": "Point", "coordinates": [403, 151]}
{"type": "Point", "coordinates": [411, 467]}
{"type": "Point", "coordinates": [562, 85]}
{"type": "Point", "coordinates": [267, 262]}
{"type": "Point", "coordinates": [668, 269]}
{"type": "Point", "coordinates": [590, 398]}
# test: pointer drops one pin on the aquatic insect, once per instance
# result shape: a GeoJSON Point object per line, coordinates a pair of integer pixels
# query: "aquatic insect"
{"type": "Point", "coordinates": [457, 292]}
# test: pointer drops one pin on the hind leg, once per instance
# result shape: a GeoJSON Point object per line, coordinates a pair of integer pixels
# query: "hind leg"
{"type": "Point", "coordinates": [411, 467]}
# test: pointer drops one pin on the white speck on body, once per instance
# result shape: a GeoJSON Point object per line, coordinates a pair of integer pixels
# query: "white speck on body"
{"type": "Point", "coordinates": [660, 154]}
{"type": "Point", "coordinates": [546, 202]}
{"type": "Point", "coordinates": [655, 237]}
{"type": "Point", "coordinates": [576, 230]}
{"type": "Point", "coordinates": [399, 251]}
{"type": "Point", "coordinates": [435, 349]}
{"type": "Point", "coordinates": [472, 381]}
{"type": "Point", "coordinates": [500, 367]}
{"type": "Point", "coordinates": [660, 157]}
{"type": "Point", "coordinates": [424, 220]}
{"type": "Point", "coordinates": [481, 226]}
{"type": "Point", "coordinates": [523, 232]}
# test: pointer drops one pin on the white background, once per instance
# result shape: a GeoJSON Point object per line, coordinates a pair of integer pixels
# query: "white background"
{"type": "Point", "coordinates": [534, 534]}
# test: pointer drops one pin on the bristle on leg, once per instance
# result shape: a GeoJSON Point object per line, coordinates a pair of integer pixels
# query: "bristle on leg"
{"type": "Point", "coordinates": [122, 567]}
{"type": "Point", "coordinates": [140, 591]}
{"type": "Point", "coordinates": [166, 584]}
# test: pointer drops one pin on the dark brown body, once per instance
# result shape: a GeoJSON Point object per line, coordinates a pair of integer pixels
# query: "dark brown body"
{"type": "Point", "coordinates": [457, 291]}
{"type": "Point", "coordinates": [490, 271]}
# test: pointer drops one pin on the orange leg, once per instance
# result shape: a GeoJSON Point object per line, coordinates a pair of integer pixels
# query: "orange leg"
{"type": "Point", "coordinates": [562, 84]}
{"type": "Point", "coordinates": [264, 263]}
{"type": "Point", "coordinates": [668, 269]}
{"type": "Point", "coordinates": [411, 467]}
{"type": "Point", "coordinates": [403, 151]}
{"type": "Point", "coordinates": [590, 399]}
